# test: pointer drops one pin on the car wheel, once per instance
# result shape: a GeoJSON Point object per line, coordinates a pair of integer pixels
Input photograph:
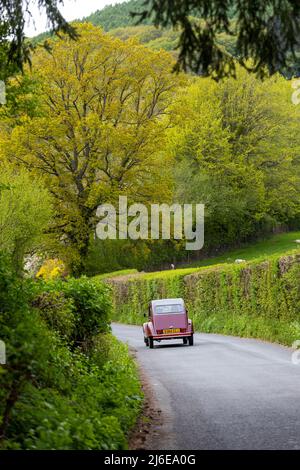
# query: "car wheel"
{"type": "Point", "coordinates": [185, 340]}
{"type": "Point", "coordinates": [191, 340]}
{"type": "Point", "coordinates": [146, 341]}
{"type": "Point", "coordinates": [151, 343]}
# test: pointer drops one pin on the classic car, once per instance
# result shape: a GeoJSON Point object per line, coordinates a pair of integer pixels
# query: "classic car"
{"type": "Point", "coordinates": [168, 319]}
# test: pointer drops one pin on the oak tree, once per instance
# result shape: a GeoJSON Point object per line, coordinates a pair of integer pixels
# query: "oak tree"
{"type": "Point", "coordinates": [100, 132]}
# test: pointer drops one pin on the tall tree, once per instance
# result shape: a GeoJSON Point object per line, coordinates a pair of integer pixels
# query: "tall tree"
{"type": "Point", "coordinates": [237, 150]}
{"type": "Point", "coordinates": [25, 212]}
{"type": "Point", "coordinates": [100, 132]}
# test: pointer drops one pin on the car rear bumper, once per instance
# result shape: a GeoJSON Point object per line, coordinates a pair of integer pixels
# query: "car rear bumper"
{"type": "Point", "coordinates": [173, 335]}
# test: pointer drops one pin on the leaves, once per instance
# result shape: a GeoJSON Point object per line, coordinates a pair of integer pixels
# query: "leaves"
{"type": "Point", "coordinates": [25, 212]}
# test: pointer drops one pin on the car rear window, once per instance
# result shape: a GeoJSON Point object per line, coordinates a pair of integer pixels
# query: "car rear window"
{"type": "Point", "coordinates": [174, 308]}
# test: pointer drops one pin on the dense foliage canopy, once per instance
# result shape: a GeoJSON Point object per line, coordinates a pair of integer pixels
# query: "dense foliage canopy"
{"type": "Point", "coordinates": [111, 119]}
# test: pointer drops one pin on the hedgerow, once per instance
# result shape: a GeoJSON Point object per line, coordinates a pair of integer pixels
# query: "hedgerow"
{"type": "Point", "coordinates": [86, 406]}
{"type": "Point", "coordinates": [67, 382]}
{"type": "Point", "coordinates": [256, 299]}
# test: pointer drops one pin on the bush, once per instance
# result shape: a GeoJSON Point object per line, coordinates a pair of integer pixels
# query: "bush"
{"type": "Point", "coordinates": [92, 302]}
{"type": "Point", "coordinates": [51, 269]}
{"type": "Point", "coordinates": [96, 410]}
{"type": "Point", "coordinates": [58, 311]}
{"type": "Point", "coordinates": [52, 394]}
{"type": "Point", "coordinates": [28, 342]}
{"type": "Point", "coordinates": [77, 308]}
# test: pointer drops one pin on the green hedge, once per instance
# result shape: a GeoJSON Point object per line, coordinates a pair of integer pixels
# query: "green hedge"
{"type": "Point", "coordinates": [76, 404]}
{"type": "Point", "coordinates": [77, 308]}
{"type": "Point", "coordinates": [257, 299]}
{"type": "Point", "coordinates": [67, 382]}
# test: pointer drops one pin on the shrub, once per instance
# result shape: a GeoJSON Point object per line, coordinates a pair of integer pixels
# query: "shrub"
{"type": "Point", "coordinates": [92, 302]}
{"type": "Point", "coordinates": [95, 411]}
{"type": "Point", "coordinates": [58, 311]}
{"type": "Point", "coordinates": [51, 269]}
{"type": "Point", "coordinates": [53, 396]}
{"type": "Point", "coordinates": [78, 309]}
{"type": "Point", "coordinates": [28, 343]}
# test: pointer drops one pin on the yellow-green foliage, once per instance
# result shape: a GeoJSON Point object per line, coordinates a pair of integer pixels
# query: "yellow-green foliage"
{"type": "Point", "coordinates": [256, 299]}
{"type": "Point", "coordinates": [139, 80]}
{"type": "Point", "coordinates": [51, 269]}
{"type": "Point", "coordinates": [25, 212]}
{"type": "Point", "coordinates": [153, 37]}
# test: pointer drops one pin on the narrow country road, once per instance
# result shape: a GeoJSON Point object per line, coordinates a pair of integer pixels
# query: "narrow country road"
{"type": "Point", "coordinates": [221, 393]}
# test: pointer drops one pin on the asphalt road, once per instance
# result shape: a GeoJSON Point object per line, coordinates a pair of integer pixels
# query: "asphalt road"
{"type": "Point", "coordinates": [221, 393]}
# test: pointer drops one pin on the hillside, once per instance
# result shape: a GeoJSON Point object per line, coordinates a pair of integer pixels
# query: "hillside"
{"type": "Point", "coordinates": [119, 15]}
{"type": "Point", "coordinates": [116, 16]}
{"type": "Point", "coordinates": [118, 21]}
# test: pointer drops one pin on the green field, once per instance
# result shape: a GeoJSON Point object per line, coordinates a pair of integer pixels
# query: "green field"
{"type": "Point", "coordinates": [277, 245]}
{"type": "Point", "coordinates": [122, 272]}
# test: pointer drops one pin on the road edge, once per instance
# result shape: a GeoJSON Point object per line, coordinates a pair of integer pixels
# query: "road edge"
{"type": "Point", "coordinates": [151, 416]}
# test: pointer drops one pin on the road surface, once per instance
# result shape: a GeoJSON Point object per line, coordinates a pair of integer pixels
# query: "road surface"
{"type": "Point", "coordinates": [221, 393]}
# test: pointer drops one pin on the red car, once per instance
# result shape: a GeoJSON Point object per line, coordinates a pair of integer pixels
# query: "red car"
{"type": "Point", "coordinates": [167, 319]}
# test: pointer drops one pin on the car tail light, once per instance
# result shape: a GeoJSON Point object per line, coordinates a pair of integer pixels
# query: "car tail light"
{"type": "Point", "coordinates": [159, 332]}
{"type": "Point", "coordinates": [182, 330]}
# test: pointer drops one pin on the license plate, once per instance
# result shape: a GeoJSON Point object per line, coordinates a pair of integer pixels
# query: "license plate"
{"type": "Point", "coordinates": [174, 330]}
